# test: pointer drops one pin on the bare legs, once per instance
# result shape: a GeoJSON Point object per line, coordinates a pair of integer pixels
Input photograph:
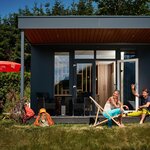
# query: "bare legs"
{"type": "Point", "coordinates": [142, 118]}
{"type": "Point", "coordinates": [120, 120]}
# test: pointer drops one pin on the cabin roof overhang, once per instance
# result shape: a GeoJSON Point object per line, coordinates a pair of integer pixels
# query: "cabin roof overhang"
{"type": "Point", "coordinates": [85, 29]}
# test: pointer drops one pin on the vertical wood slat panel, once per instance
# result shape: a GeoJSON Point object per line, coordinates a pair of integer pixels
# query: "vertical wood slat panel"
{"type": "Point", "coordinates": [105, 82]}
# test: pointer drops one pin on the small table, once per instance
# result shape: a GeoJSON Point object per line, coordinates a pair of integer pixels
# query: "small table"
{"type": "Point", "coordinates": [61, 103]}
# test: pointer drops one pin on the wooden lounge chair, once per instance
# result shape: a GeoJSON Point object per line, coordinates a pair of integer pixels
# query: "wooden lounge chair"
{"type": "Point", "coordinates": [101, 110]}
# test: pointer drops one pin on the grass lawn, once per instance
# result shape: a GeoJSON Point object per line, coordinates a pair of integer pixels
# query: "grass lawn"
{"type": "Point", "coordinates": [73, 137]}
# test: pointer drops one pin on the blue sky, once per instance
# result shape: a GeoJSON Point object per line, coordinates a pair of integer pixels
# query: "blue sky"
{"type": "Point", "coordinates": [11, 6]}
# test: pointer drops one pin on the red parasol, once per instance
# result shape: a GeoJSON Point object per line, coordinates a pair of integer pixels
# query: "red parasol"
{"type": "Point", "coordinates": [8, 66]}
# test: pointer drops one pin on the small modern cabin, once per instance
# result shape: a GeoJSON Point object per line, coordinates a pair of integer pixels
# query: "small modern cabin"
{"type": "Point", "coordinates": [74, 57]}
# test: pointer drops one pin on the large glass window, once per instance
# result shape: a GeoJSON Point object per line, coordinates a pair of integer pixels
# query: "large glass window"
{"type": "Point", "coordinates": [128, 55]}
{"type": "Point", "coordinates": [61, 73]}
{"type": "Point", "coordinates": [107, 54]}
{"type": "Point", "coordinates": [80, 54]}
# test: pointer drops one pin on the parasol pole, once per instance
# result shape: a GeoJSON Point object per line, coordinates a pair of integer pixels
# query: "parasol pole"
{"type": "Point", "coordinates": [22, 65]}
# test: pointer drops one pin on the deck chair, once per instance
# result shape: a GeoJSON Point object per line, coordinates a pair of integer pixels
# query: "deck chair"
{"type": "Point", "coordinates": [101, 110]}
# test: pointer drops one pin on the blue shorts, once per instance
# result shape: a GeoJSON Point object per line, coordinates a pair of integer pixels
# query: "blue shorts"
{"type": "Point", "coordinates": [112, 113]}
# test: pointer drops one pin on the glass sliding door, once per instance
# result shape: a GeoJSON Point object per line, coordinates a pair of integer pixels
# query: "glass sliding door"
{"type": "Point", "coordinates": [82, 104]}
{"type": "Point", "coordinates": [127, 74]}
{"type": "Point", "coordinates": [84, 77]}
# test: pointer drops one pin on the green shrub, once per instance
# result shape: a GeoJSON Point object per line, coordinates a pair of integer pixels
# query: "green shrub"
{"type": "Point", "coordinates": [10, 88]}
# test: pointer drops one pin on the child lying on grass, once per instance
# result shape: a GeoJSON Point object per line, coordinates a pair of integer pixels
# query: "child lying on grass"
{"type": "Point", "coordinates": [43, 119]}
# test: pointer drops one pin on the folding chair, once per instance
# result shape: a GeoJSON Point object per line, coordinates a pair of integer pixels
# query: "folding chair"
{"type": "Point", "coordinates": [101, 110]}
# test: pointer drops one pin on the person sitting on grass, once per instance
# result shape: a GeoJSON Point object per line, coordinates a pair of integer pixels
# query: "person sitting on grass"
{"type": "Point", "coordinates": [28, 113]}
{"type": "Point", "coordinates": [43, 119]}
{"type": "Point", "coordinates": [144, 109]}
{"type": "Point", "coordinates": [112, 108]}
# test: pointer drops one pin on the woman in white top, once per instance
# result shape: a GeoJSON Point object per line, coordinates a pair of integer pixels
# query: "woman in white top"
{"type": "Point", "coordinates": [113, 107]}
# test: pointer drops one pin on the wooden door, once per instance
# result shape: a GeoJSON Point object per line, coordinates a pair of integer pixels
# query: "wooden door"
{"type": "Point", "coordinates": [105, 81]}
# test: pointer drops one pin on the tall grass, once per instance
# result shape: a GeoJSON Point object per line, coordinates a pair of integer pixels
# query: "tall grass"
{"type": "Point", "coordinates": [74, 137]}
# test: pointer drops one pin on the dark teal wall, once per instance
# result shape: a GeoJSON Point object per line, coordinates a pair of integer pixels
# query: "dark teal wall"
{"type": "Point", "coordinates": [42, 73]}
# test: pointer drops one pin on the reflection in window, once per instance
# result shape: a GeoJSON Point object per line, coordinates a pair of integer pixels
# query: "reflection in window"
{"type": "Point", "coordinates": [79, 54]}
{"type": "Point", "coordinates": [84, 77]}
{"type": "Point", "coordinates": [109, 54]}
{"type": "Point", "coordinates": [61, 73]}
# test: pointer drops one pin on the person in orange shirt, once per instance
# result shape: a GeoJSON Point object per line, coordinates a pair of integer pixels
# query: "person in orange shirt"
{"type": "Point", "coordinates": [29, 113]}
{"type": "Point", "coordinates": [43, 119]}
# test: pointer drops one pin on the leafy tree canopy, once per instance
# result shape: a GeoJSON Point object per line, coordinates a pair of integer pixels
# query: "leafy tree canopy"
{"type": "Point", "coordinates": [10, 35]}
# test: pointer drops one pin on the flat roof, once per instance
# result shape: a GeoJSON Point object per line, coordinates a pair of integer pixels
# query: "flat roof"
{"type": "Point", "coordinates": [85, 29]}
{"type": "Point", "coordinates": [83, 22]}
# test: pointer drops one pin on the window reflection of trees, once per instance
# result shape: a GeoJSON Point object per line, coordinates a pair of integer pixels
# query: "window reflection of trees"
{"type": "Point", "coordinates": [61, 73]}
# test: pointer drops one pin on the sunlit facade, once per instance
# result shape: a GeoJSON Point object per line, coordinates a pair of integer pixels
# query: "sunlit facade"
{"type": "Point", "coordinates": [74, 57]}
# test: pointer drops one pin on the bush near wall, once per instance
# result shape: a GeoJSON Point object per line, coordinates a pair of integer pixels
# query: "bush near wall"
{"type": "Point", "coordinates": [10, 88]}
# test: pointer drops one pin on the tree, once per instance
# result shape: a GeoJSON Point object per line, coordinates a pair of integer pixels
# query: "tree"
{"type": "Point", "coordinates": [25, 12]}
{"type": "Point", "coordinates": [41, 10]}
{"type": "Point", "coordinates": [81, 7]}
{"type": "Point", "coordinates": [89, 7]}
{"type": "Point", "coordinates": [58, 8]}
{"type": "Point", "coordinates": [141, 7]}
{"type": "Point", "coordinates": [85, 7]}
{"type": "Point", "coordinates": [122, 7]}
{"type": "Point", "coordinates": [35, 10]}
{"type": "Point", "coordinates": [73, 10]}
{"type": "Point", "coordinates": [47, 9]}
{"type": "Point", "coordinates": [9, 37]}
